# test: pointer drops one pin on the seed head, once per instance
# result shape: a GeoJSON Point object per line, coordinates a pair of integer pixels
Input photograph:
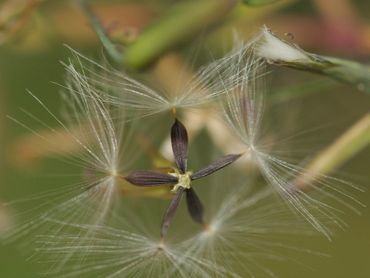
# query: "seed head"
{"type": "Point", "coordinates": [181, 178]}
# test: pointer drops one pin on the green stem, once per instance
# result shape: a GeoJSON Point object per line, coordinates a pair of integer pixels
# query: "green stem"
{"type": "Point", "coordinates": [346, 71]}
{"type": "Point", "coordinates": [178, 26]}
{"type": "Point", "coordinates": [344, 148]}
{"type": "Point", "coordinates": [258, 2]}
{"type": "Point", "coordinates": [100, 32]}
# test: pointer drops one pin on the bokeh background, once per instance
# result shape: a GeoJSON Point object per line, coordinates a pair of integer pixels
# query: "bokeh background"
{"type": "Point", "coordinates": [32, 38]}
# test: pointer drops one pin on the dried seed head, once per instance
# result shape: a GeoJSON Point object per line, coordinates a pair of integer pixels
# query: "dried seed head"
{"type": "Point", "coordinates": [183, 178]}
{"type": "Point", "coordinates": [244, 109]}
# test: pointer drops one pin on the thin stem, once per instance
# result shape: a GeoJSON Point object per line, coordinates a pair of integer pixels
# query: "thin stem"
{"type": "Point", "coordinates": [346, 71]}
{"type": "Point", "coordinates": [177, 26]}
{"type": "Point", "coordinates": [279, 52]}
{"type": "Point", "coordinates": [100, 32]}
{"type": "Point", "coordinates": [345, 147]}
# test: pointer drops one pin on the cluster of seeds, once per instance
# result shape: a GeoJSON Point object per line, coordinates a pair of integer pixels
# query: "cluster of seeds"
{"type": "Point", "coordinates": [86, 229]}
{"type": "Point", "coordinates": [180, 178]}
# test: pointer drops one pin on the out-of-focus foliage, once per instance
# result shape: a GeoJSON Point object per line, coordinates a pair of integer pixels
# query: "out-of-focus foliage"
{"type": "Point", "coordinates": [156, 39]}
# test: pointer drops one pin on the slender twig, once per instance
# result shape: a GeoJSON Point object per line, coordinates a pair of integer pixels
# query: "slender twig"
{"type": "Point", "coordinates": [182, 22]}
{"type": "Point", "coordinates": [344, 148]}
{"type": "Point", "coordinates": [100, 32]}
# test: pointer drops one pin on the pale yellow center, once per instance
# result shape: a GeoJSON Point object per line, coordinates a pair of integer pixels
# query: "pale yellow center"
{"type": "Point", "coordinates": [184, 180]}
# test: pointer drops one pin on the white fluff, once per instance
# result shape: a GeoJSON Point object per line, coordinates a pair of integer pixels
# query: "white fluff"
{"type": "Point", "coordinates": [81, 234]}
{"type": "Point", "coordinates": [274, 49]}
{"type": "Point", "coordinates": [244, 109]}
{"type": "Point", "coordinates": [116, 88]}
{"type": "Point", "coordinates": [240, 219]}
{"type": "Point", "coordinates": [106, 149]}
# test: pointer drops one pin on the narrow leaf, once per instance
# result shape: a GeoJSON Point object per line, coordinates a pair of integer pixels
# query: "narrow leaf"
{"type": "Point", "coordinates": [150, 178]}
{"type": "Point", "coordinates": [195, 206]}
{"type": "Point", "coordinates": [215, 166]}
{"type": "Point", "coordinates": [179, 141]}
{"type": "Point", "coordinates": [170, 212]}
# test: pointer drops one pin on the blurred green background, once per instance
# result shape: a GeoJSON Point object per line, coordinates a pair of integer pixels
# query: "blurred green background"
{"type": "Point", "coordinates": [32, 34]}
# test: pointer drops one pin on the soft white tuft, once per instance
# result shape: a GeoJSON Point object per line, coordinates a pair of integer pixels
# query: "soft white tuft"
{"type": "Point", "coordinates": [244, 109]}
{"type": "Point", "coordinates": [244, 226]}
{"type": "Point", "coordinates": [276, 50]}
{"type": "Point", "coordinates": [104, 149]}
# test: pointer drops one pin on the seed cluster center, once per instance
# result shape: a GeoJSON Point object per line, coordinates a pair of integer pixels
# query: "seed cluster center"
{"type": "Point", "coordinates": [184, 180]}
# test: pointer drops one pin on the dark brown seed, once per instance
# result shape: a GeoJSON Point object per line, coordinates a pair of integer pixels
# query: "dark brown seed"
{"type": "Point", "coordinates": [170, 212]}
{"type": "Point", "coordinates": [150, 178]}
{"type": "Point", "coordinates": [179, 141]}
{"type": "Point", "coordinates": [215, 166]}
{"type": "Point", "coordinates": [195, 206]}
